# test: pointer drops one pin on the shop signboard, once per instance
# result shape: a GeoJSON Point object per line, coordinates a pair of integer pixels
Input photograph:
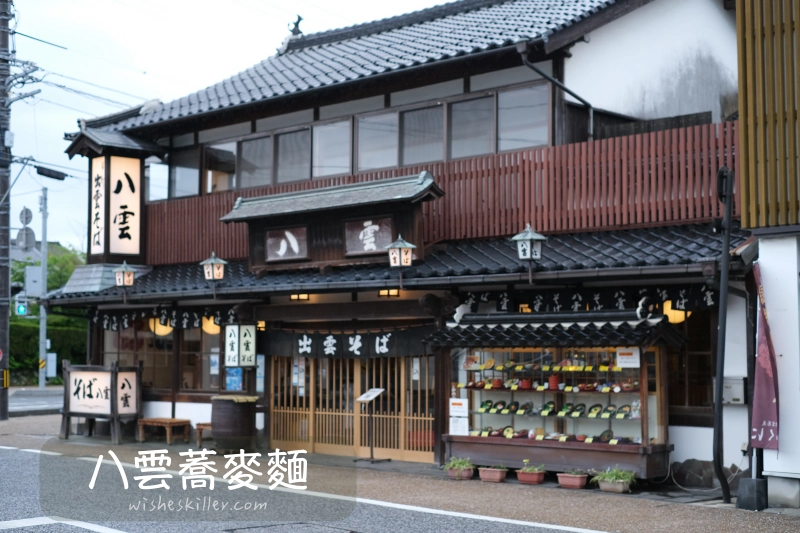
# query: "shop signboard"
{"type": "Point", "coordinates": [125, 199]}
{"type": "Point", "coordinates": [231, 345]}
{"type": "Point", "coordinates": [368, 236]}
{"type": "Point", "coordinates": [97, 203]}
{"type": "Point", "coordinates": [247, 346]}
{"type": "Point", "coordinates": [287, 244]}
{"type": "Point", "coordinates": [108, 392]}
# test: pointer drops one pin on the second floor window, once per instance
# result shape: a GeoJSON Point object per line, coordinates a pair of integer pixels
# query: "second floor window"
{"type": "Point", "coordinates": [475, 125]}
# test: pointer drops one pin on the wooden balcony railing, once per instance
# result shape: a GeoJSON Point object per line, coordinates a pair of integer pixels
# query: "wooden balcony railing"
{"type": "Point", "coordinates": [659, 178]}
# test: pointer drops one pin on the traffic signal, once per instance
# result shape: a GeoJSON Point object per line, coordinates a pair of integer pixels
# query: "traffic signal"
{"type": "Point", "coordinates": [21, 306]}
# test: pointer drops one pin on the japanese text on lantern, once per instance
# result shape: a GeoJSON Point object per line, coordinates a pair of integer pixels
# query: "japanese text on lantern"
{"type": "Point", "coordinates": [97, 201]}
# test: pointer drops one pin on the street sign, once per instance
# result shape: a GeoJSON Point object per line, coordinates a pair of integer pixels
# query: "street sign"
{"type": "Point", "coordinates": [26, 239]}
{"type": "Point", "coordinates": [25, 216]}
{"type": "Point", "coordinates": [52, 364]}
{"type": "Point", "coordinates": [33, 281]}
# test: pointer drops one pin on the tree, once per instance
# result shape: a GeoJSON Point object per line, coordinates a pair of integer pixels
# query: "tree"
{"type": "Point", "coordinates": [61, 262]}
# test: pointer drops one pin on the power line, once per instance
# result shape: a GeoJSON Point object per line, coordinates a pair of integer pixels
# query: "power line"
{"type": "Point", "coordinates": [96, 85]}
{"type": "Point", "coordinates": [64, 106]}
{"type": "Point", "coordinates": [86, 94]}
{"type": "Point", "coordinates": [37, 39]}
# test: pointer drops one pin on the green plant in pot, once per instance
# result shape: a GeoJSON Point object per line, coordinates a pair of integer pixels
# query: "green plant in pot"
{"type": "Point", "coordinates": [530, 474]}
{"type": "Point", "coordinates": [615, 480]}
{"type": "Point", "coordinates": [493, 474]}
{"type": "Point", "coordinates": [459, 468]}
{"type": "Point", "coordinates": [572, 479]}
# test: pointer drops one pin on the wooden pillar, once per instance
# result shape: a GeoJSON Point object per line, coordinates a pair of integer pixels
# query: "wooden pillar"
{"type": "Point", "coordinates": [440, 398]}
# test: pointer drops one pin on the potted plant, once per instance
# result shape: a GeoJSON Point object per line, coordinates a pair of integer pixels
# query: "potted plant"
{"type": "Point", "coordinates": [493, 474]}
{"type": "Point", "coordinates": [572, 479]}
{"type": "Point", "coordinates": [615, 480]}
{"type": "Point", "coordinates": [459, 468]}
{"type": "Point", "coordinates": [530, 474]}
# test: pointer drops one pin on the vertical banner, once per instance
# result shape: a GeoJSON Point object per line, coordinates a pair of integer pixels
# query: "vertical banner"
{"type": "Point", "coordinates": [125, 211]}
{"type": "Point", "coordinates": [247, 346]}
{"type": "Point", "coordinates": [97, 202]}
{"type": "Point", "coordinates": [764, 433]}
{"type": "Point", "coordinates": [231, 345]}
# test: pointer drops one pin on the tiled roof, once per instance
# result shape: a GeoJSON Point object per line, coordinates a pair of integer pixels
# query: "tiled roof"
{"type": "Point", "coordinates": [407, 188]}
{"type": "Point", "coordinates": [317, 60]}
{"type": "Point", "coordinates": [672, 249]}
{"type": "Point", "coordinates": [99, 139]}
{"type": "Point", "coordinates": [526, 330]}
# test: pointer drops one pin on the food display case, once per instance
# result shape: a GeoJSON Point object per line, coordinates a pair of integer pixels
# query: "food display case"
{"type": "Point", "coordinates": [565, 407]}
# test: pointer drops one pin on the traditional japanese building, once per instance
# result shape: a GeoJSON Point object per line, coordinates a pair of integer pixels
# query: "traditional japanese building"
{"type": "Point", "coordinates": [451, 128]}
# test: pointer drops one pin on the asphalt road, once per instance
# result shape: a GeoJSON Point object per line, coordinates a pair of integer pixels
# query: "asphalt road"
{"type": "Point", "coordinates": [35, 401]}
{"type": "Point", "coordinates": [64, 481]}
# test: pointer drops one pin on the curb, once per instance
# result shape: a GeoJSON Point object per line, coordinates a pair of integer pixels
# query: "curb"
{"type": "Point", "coordinates": [29, 392]}
{"type": "Point", "coordinates": [34, 412]}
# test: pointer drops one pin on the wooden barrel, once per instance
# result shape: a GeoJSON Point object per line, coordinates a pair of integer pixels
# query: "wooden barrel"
{"type": "Point", "coordinates": [233, 422]}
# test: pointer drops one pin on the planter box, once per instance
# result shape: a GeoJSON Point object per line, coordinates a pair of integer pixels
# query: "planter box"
{"type": "Point", "coordinates": [530, 478]}
{"type": "Point", "coordinates": [571, 481]}
{"type": "Point", "coordinates": [492, 475]}
{"type": "Point", "coordinates": [614, 486]}
{"type": "Point", "coordinates": [460, 474]}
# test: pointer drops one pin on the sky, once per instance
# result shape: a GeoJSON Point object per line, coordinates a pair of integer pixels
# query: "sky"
{"type": "Point", "coordinates": [125, 52]}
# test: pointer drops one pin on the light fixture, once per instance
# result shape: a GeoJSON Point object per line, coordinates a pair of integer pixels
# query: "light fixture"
{"type": "Point", "coordinates": [299, 297]}
{"type": "Point", "coordinates": [389, 293]}
{"type": "Point", "coordinates": [214, 270]}
{"type": "Point", "coordinates": [261, 325]}
{"type": "Point", "coordinates": [675, 316]}
{"type": "Point", "coordinates": [529, 247]}
{"type": "Point", "coordinates": [401, 254]}
{"type": "Point", "coordinates": [124, 276]}
{"type": "Point", "coordinates": [209, 326]}
{"type": "Point", "coordinates": [524, 308]}
{"type": "Point", "coordinates": [159, 329]}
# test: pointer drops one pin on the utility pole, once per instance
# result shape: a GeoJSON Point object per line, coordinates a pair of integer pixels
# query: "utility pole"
{"type": "Point", "coordinates": [5, 162]}
{"type": "Point", "coordinates": [42, 310]}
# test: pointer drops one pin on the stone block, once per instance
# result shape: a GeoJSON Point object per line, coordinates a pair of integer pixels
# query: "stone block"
{"type": "Point", "coordinates": [783, 492]}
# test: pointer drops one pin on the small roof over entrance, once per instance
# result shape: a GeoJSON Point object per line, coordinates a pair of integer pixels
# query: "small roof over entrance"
{"type": "Point", "coordinates": [409, 189]}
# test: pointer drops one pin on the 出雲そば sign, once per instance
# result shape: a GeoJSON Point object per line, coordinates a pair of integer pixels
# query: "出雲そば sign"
{"type": "Point", "coordinates": [97, 205]}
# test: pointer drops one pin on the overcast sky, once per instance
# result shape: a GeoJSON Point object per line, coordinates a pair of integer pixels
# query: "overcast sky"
{"type": "Point", "coordinates": [142, 49]}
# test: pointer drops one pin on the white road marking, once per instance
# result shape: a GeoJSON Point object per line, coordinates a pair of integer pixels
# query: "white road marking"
{"type": "Point", "coordinates": [366, 501]}
{"type": "Point", "coordinates": [44, 520]}
{"type": "Point", "coordinates": [43, 452]}
{"type": "Point", "coordinates": [8, 447]}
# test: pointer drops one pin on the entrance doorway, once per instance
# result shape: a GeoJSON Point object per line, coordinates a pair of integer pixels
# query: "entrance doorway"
{"type": "Point", "coordinates": [313, 406]}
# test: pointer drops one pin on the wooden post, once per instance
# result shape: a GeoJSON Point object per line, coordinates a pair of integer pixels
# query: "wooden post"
{"type": "Point", "coordinates": [644, 396]}
{"type": "Point", "coordinates": [441, 392]}
{"type": "Point", "coordinates": [65, 418]}
{"type": "Point", "coordinates": [114, 418]}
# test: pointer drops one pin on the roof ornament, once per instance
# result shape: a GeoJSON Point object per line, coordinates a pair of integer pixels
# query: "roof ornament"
{"type": "Point", "coordinates": [238, 203]}
{"type": "Point", "coordinates": [296, 31]}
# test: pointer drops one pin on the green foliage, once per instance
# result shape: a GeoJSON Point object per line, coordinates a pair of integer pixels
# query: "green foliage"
{"type": "Point", "coordinates": [529, 468]}
{"type": "Point", "coordinates": [615, 475]}
{"type": "Point", "coordinates": [499, 467]}
{"type": "Point", "coordinates": [457, 463]}
{"type": "Point", "coordinates": [67, 338]}
{"type": "Point", "coordinates": [61, 262]}
{"type": "Point", "coordinates": [576, 472]}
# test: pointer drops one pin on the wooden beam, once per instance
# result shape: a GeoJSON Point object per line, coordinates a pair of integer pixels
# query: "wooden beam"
{"type": "Point", "coordinates": [350, 310]}
{"type": "Point", "coordinates": [576, 31]}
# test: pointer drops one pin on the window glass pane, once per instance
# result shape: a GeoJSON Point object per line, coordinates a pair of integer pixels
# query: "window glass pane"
{"type": "Point", "coordinates": [471, 127]}
{"type": "Point", "coordinates": [198, 348]}
{"type": "Point", "coordinates": [377, 141]}
{"type": "Point", "coordinates": [255, 164]}
{"type": "Point", "coordinates": [423, 130]}
{"type": "Point", "coordinates": [522, 118]}
{"type": "Point", "coordinates": [184, 173]}
{"type": "Point", "coordinates": [156, 174]}
{"type": "Point", "coordinates": [294, 156]}
{"type": "Point", "coordinates": [332, 149]}
{"type": "Point", "coordinates": [220, 167]}
{"type": "Point", "coordinates": [155, 351]}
